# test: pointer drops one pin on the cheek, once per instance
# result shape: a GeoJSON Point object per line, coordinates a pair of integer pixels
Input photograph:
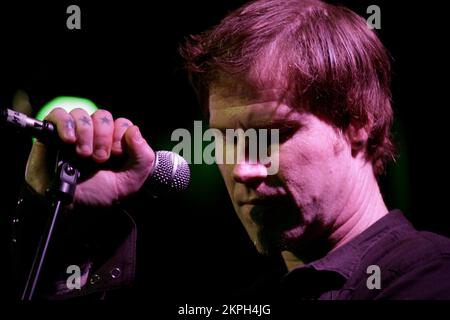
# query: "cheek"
{"type": "Point", "coordinates": [227, 174]}
{"type": "Point", "coordinates": [298, 159]}
{"type": "Point", "coordinates": [316, 152]}
{"type": "Point", "coordinates": [308, 165]}
{"type": "Point", "coordinates": [297, 171]}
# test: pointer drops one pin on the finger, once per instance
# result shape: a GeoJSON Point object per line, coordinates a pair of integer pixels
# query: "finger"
{"type": "Point", "coordinates": [65, 124]}
{"type": "Point", "coordinates": [83, 131]}
{"type": "Point", "coordinates": [103, 135]}
{"type": "Point", "coordinates": [141, 156]}
{"type": "Point", "coordinates": [120, 127]}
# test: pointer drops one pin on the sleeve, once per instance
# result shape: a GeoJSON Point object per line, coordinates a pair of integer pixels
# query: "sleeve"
{"type": "Point", "coordinates": [97, 244]}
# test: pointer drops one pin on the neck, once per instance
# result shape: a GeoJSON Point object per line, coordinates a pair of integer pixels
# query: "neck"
{"type": "Point", "coordinates": [362, 207]}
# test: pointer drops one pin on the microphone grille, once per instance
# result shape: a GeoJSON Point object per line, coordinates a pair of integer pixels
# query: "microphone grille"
{"type": "Point", "coordinates": [171, 173]}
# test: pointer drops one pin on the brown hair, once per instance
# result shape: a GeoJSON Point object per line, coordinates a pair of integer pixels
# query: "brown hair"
{"type": "Point", "coordinates": [324, 58]}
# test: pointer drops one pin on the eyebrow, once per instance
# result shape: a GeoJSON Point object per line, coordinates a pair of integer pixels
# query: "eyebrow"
{"type": "Point", "coordinates": [275, 120]}
{"type": "Point", "coordinates": [273, 124]}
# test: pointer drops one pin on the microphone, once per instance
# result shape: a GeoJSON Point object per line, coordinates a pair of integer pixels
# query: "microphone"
{"type": "Point", "coordinates": [170, 173]}
{"type": "Point", "coordinates": [170, 170]}
{"type": "Point", "coordinates": [45, 131]}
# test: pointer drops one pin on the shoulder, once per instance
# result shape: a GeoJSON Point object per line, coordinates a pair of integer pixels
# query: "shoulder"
{"type": "Point", "coordinates": [396, 244]}
{"type": "Point", "coordinates": [411, 265]}
{"type": "Point", "coordinates": [417, 267]}
{"type": "Point", "coordinates": [416, 248]}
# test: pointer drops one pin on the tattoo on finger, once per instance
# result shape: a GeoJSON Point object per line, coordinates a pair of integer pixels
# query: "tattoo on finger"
{"type": "Point", "coordinates": [85, 120]}
{"type": "Point", "coordinates": [69, 124]}
{"type": "Point", "coordinates": [105, 120]}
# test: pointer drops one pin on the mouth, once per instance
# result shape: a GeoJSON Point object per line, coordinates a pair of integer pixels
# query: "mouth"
{"type": "Point", "coordinates": [258, 201]}
{"type": "Point", "coordinates": [277, 213]}
{"type": "Point", "coordinates": [265, 211]}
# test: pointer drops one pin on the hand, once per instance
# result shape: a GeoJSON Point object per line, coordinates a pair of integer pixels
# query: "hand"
{"type": "Point", "coordinates": [96, 138]}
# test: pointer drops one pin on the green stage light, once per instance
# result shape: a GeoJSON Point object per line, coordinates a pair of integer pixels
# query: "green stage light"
{"type": "Point", "coordinates": [68, 104]}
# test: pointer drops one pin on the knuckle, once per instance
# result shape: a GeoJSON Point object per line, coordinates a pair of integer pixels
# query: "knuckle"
{"type": "Point", "coordinates": [78, 112]}
{"type": "Point", "coordinates": [102, 149]}
{"type": "Point", "coordinates": [102, 135]}
{"type": "Point", "coordinates": [84, 131]}
{"type": "Point", "coordinates": [56, 113]}
{"type": "Point", "coordinates": [58, 110]}
{"type": "Point", "coordinates": [120, 127]}
{"type": "Point", "coordinates": [148, 154]}
{"type": "Point", "coordinates": [102, 113]}
{"type": "Point", "coordinates": [102, 140]}
{"type": "Point", "coordinates": [102, 121]}
{"type": "Point", "coordinates": [102, 132]}
{"type": "Point", "coordinates": [122, 120]}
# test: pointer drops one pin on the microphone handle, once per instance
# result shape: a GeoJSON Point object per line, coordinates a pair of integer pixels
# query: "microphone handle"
{"type": "Point", "coordinates": [42, 130]}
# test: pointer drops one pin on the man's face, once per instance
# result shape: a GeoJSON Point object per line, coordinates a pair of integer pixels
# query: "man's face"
{"type": "Point", "coordinates": [304, 199]}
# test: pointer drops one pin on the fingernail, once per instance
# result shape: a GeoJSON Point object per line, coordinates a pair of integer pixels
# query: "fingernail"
{"type": "Point", "coordinates": [117, 145]}
{"type": "Point", "coordinates": [101, 153]}
{"type": "Point", "coordinates": [85, 149]}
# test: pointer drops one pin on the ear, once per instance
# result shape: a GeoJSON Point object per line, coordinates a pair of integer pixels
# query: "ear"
{"type": "Point", "coordinates": [358, 138]}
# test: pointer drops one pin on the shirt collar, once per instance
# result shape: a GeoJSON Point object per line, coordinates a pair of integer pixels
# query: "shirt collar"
{"type": "Point", "coordinates": [344, 260]}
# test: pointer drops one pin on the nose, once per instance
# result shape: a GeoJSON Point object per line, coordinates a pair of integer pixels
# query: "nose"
{"type": "Point", "coordinates": [249, 173]}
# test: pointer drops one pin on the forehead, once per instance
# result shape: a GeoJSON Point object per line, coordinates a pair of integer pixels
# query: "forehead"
{"type": "Point", "coordinates": [261, 108]}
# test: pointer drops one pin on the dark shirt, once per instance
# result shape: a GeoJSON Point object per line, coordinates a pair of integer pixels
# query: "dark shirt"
{"type": "Point", "coordinates": [411, 264]}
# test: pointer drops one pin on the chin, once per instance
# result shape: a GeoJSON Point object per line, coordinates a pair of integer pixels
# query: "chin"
{"type": "Point", "coordinates": [292, 236]}
{"type": "Point", "coordinates": [268, 244]}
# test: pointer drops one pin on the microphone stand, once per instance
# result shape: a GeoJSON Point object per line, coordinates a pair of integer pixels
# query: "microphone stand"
{"type": "Point", "coordinates": [61, 193]}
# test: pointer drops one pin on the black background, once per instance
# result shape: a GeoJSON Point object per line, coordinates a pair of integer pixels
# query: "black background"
{"type": "Point", "coordinates": [125, 59]}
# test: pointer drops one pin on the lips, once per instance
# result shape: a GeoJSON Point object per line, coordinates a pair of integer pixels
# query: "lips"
{"type": "Point", "coordinates": [271, 211]}
{"type": "Point", "coordinates": [260, 207]}
{"type": "Point", "coordinates": [258, 201]}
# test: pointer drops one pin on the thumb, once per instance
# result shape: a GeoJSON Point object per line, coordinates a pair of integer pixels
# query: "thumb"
{"type": "Point", "coordinates": [40, 167]}
{"type": "Point", "coordinates": [141, 156]}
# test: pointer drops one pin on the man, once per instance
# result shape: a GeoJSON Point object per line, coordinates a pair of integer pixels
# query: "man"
{"type": "Point", "coordinates": [319, 75]}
